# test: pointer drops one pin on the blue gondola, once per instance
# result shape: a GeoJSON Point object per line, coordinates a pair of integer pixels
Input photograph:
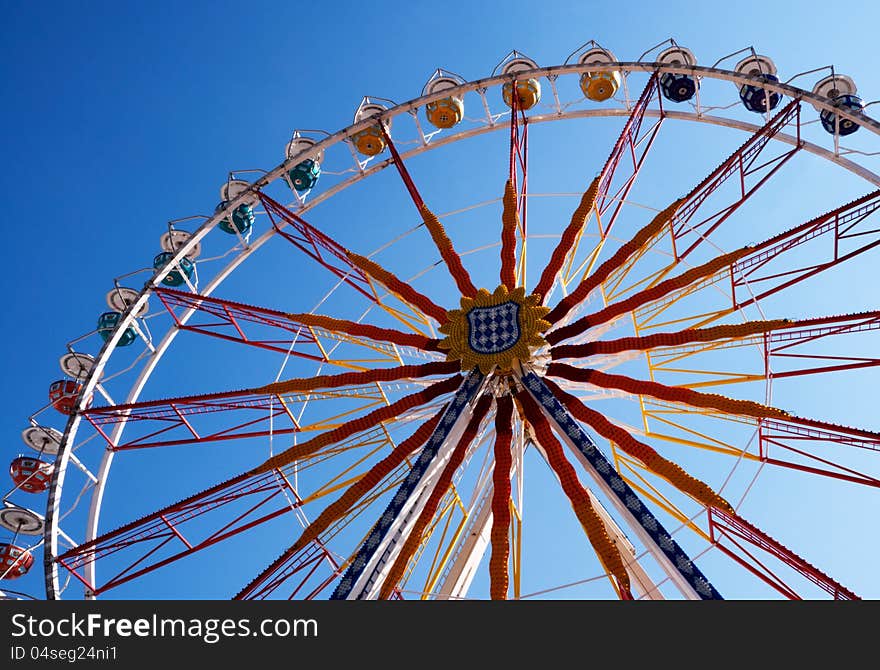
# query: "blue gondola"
{"type": "Point", "coordinates": [177, 275]}
{"type": "Point", "coordinates": [107, 324]}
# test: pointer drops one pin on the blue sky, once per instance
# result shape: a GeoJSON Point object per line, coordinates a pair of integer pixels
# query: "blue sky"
{"type": "Point", "coordinates": [119, 117]}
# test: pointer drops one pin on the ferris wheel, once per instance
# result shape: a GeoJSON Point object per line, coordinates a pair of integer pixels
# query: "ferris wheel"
{"type": "Point", "coordinates": [420, 360]}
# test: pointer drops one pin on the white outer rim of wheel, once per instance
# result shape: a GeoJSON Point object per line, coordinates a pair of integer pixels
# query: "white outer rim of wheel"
{"type": "Point", "coordinates": [50, 544]}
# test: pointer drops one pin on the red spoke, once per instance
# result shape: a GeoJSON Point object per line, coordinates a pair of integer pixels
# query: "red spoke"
{"type": "Point", "coordinates": [518, 176]}
{"type": "Point", "coordinates": [354, 270]}
{"type": "Point", "coordinates": [401, 169]}
{"type": "Point", "coordinates": [499, 576]}
{"type": "Point", "coordinates": [678, 338]}
{"type": "Point", "coordinates": [592, 523]}
{"type": "Point", "coordinates": [172, 416]}
{"type": "Point", "coordinates": [792, 435]}
{"type": "Point", "coordinates": [362, 423]}
{"type": "Point", "coordinates": [303, 565]}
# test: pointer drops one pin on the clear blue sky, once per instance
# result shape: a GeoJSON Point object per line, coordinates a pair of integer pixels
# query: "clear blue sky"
{"type": "Point", "coordinates": [119, 117]}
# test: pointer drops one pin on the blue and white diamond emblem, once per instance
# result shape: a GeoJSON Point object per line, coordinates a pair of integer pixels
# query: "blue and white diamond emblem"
{"type": "Point", "coordinates": [495, 329]}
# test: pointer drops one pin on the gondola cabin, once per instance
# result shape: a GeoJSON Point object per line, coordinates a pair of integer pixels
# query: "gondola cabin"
{"type": "Point", "coordinates": [30, 474]}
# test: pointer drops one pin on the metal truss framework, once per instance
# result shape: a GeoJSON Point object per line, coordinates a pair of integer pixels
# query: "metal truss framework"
{"type": "Point", "coordinates": [231, 321]}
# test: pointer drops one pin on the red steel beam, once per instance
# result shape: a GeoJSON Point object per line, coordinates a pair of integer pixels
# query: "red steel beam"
{"type": "Point", "coordinates": [163, 529]}
{"type": "Point", "coordinates": [318, 246]}
{"type": "Point", "coordinates": [270, 583]}
{"type": "Point", "coordinates": [249, 324]}
{"type": "Point", "coordinates": [839, 227]}
{"type": "Point", "coordinates": [191, 525]}
{"type": "Point", "coordinates": [291, 564]}
{"type": "Point", "coordinates": [730, 528]}
{"type": "Point", "coordinates": [635, 141]}
{"type": "Point", "coordinates": [207, 418]}
{"type": "Point", "coordinates": [800, 439]}
{"type": "Point", "coordinates": [743, 163]}
{"type": "Point", "coordinates": [685, 231]}
{"type": "Point", "coordinates": [636, 145]}
{"type": "Point", "coordinates": [813, 447]}
{"type": "Point", "coordinates": [762, 272]}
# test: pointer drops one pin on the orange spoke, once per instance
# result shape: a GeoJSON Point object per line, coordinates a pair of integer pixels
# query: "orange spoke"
{"type": "Point", "coordinates": [620, 256]}
{"type": "Point", "coordinates": [299, 451]}
{"type": "Point", "coordinates": [569, 237]}
{"type": "Point", "coordinates": [643, 297]}
{"type": "Point", "coordinates": [400, 288]}
{"type": "Point", "coordinates": [509, 225]}
{"type": "Point", "coordinates": [360, 378]}
{"type": "Point", "coordinates": [670, 471]}
{"type": "Point", "coordinates": [365, 330]}
{"type": "Point", "coordinates": [448, 253]}
{"type": "Point", "coordinates": [664, 392]}
{"type": "Point", "coordinates": [592, 523]}
{"type": "Point", "coordinates": [455, 460]}
{"type": "Point", "coordinates": [432, 223]}
{"type": "Point", "coordinates": [354, 493]}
